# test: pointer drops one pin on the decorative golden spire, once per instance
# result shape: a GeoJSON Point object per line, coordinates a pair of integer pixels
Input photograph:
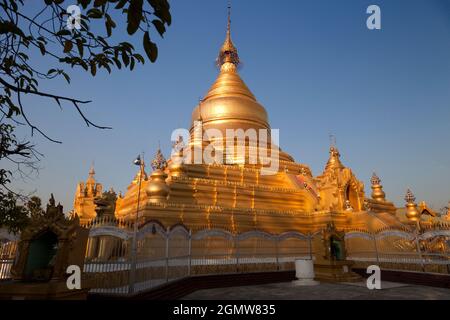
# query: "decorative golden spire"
{"type": "Point", "coordinates": [409, 197]}
{"type": "Point", "coordinates": [228, 52]}
{"type": "Point", "coordinates": [411, 207]}
{"type": "Point", "coordinates": [334, 162]}
{"type": "Point", "coordinates": [157, 189]}
{"type": "Point", "coordinates": [91, 178]}
{"type": "Point", "coordinates": [377, 189]}
{"type": "Point", "coordinates": [159, 162]}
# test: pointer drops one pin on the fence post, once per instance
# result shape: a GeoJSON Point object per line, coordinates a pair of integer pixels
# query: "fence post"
{"type": "Point", "coordinates": [236, 245]}
{"type": "Point", "coordinates": [132, 272]}
{"type": "Point", "coordinates": [422, 264]}
{"type": "Point", "coordinates": [190, 253]}
{"type": "Point", "coordinates": [167, 254]}
{"type": "Point", "coordinates": [376, 248]}
{"type": "Point", "coordinates": [310, 236]}
{"type": "Point", "coordinates": [277, 253]}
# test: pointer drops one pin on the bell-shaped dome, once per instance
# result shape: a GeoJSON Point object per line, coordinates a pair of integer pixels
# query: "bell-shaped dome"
{"type": "Point", "coordinates": [229, 104]}
{"type": "Point", "coordinates": [157, 189]}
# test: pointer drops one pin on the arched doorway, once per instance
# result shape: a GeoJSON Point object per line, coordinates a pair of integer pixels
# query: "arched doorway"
{"type": "Point", "coordinates": [41, 257]}
{"type": "Point", "coordinates": [352, 196]}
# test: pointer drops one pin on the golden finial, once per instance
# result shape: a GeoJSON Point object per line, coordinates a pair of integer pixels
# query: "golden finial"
{"type": "Point", "coordinates": [334, 162]}
{"type": "Point", "coordinates": [159, 162]}
{"type": "Point", "coordinates": [375, 180]}
{"type": "Point", "coordinates": [228, 52]}
{"type": "Point", "coordinates": [377, 189]}
{"type": "Point", "coordinates": [157, 190]}
{"type": "Point", "coordinates": [409, 197]}
{"type": "Point", "coordinates": [229, 20]}
{"type": "Point", "coordinates": [91, 178]}
{"type": "Point", "coordinates": [332, 140]}
{"type": "Point", "coordinates": [91, 169]}
{"type": "Point", "coordinates": [411, 207]}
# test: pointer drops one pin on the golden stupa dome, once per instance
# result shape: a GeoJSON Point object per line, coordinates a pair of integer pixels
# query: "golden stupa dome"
{"type": "Point", "coordinates": [229, 104]}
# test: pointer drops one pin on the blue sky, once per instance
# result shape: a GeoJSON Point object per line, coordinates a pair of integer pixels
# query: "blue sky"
{"type": "Point", "coordinates": [315, 67]}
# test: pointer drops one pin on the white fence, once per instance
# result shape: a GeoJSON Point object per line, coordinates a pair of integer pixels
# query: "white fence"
{"type": "Point", "coordinates": [166, 255]}
{"type": "Point", "coordinates": [397, 247]}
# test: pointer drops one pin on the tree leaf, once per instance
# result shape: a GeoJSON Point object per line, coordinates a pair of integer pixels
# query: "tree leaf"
{"type": "Point", "coordinates": [108, 28]}
{"type": "Point", "coordinates": [42, 48]}
{"type": "Point", "coordinates": [99, 3]}
{"type": "Point", "coordinates": [134, 16]}
{"type": "Point", "coordinates": [125, 58]}
{"type": "Point", "coordinates": [94, 13]}
{"type": "Point", "coordinates": [93, 67]}
{"type": "Point", "coordinates": [118, 63]}
{"type": "Point", "coordinates": [139, 58]}
{"type": "Point", "coordinates": [84, 3]}
{"type": "Point", "coordinates": [120, 4]}
{"type": "Point", "coordinates": [63, 32]}
{"type": "Point", "coordinates": [109, 24]}
{"type": "Point", "coordinates": [68, 46]}
{"type": "Point", "coordinates": [10, 27]}
{"type": "Point", "coordinates": [150, 48]}
{"type": "Point", "coordinates": [80, 47]}
{"type": "Point", "coordinates": [66, 76]}
{"type": "Point", "coordinates": [162, 10]}
{"type": "Point", "coordinates": [159, 27]}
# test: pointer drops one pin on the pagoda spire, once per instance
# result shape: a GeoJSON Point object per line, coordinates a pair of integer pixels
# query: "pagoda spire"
{"type": "Point", "coordinates": [228, 52]}
{"type": "Point", "coordinates": [91, 176]}
{"type": "Point", "coordinates": [229, 21]}
{"type": "Point", "coordinates": [377, 188]}
{"type": "Point", "coordinates": [159, 162]}
{"type": "Point", "coordinates": [334, 161]}
{"type": "Point", "coordinates": [411, 207]}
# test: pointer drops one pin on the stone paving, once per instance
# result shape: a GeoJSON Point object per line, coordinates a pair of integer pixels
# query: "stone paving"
{"type": "Point", "coordinates": [323, 291]}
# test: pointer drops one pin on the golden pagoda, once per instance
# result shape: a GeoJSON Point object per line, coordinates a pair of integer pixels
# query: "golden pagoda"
{"type": "Point", "coordinates": [84, 197]}
{"type": "Point", "coordinates": [232, 193]}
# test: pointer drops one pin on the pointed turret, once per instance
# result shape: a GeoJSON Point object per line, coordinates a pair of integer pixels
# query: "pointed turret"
{"type": "Point", "coordinates": [334, 162]}
{"type": "Point", "coordinates": [228, 52]}
{"type": "Point", "coordinates": [91, 177]}
{"type": "Point", "coordinates": [411, 207]}
{"type": "Point", "coordinates": [157, 188]}
{"type": "Point", "coordinates": [159, 162]}
{"type": "Point", "coordinates": [85, 194]}
{"type": "Point", "coordinates": [229, 103]}
{"type": "Point", "coordinates": [377, 189]}
{"type": "Point", "coordinates": [228, 82]}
